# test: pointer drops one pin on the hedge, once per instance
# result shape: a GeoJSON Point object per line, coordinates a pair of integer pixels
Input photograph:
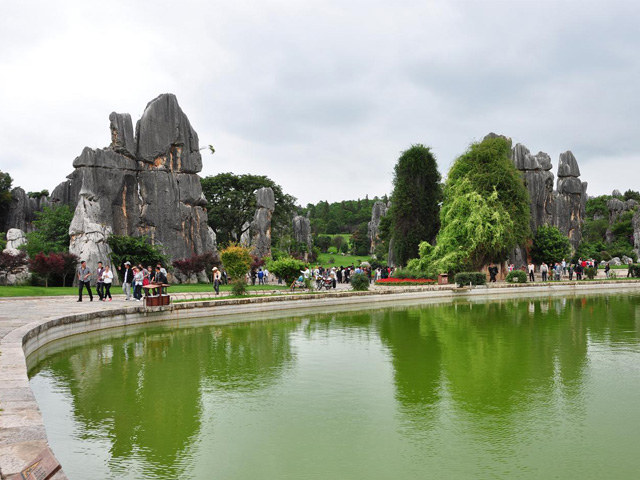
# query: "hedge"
{"type": "Point", "coordinates": [517, 276]}
{"type": "Point", "coordinates": [473, 278]}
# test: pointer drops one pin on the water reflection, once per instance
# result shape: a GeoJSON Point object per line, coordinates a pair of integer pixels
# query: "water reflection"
{"type": "Point", "coordinates": [501, 375]}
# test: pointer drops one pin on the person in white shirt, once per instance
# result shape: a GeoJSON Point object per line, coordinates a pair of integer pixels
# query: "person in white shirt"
{"type": "Point", "coordinates": [107, 278]}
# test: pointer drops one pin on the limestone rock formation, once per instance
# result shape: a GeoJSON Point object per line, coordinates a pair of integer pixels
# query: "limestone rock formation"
{"type": "Point", "coordinates": [15, 239]}
{"type": "Point", "coordinates": [140, 186]}
{"type": "Point", "coordinates": [302, 231]}
{"type": "Point", "coordinates": [563, 207]}
{"type": "Point", "coordinates": [378, 211]}
{"type": "Point", "coordinates": [261, 225]}
{"type": "Point", "coordinates": [635, 223]}
{"type": "Point", "coordinates": [21, 211]}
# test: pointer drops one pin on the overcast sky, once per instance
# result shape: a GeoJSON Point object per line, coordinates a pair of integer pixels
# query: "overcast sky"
{"type": "Point", "coordinates": [322, 96]}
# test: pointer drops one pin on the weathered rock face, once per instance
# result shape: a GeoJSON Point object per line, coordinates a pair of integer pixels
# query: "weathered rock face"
{"type": "Point", "coordinates": [302, 231]}
{"type": "Point", "coordinates": [15, 238]}
{"type": "Point", "coordinates": [635, 222]}
{"type": "Point", "coordinates": [261, 225]}
{"type": "Point", "coordinates": [563, 207]}
{"type": "Point", "coordinates": [140, 186]}
{"type": "Point", "coordinates": [378, 211]}
{"type": "Point", "coordinates": [21, 211]}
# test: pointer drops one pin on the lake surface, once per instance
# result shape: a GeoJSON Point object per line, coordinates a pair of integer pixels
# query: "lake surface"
{"type": "Point", "coordinates": [540, 389]}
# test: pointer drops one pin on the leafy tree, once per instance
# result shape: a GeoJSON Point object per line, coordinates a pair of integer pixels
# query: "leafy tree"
{"type": "Point", "coordinates": [136, 250]}
{"type": "Point", "coordinates": [47, 265]}
{"type": "Point", "coordinates": [332, 227]}
{"type": "Point", "coordinates": [337, 242]}
{"type": "Point", "coordinates": [415, 201]}
{"type": "Point", "coordinates": [359, 282]}
{"type": "Point", "coordinates": [360, 240]}
{"type": "Point", "coordinates": [323, 242]}
{"type": "Point", "coordinates": [231, 205]}
{"type": "Point", "coordinates": [38, 195]}
{"type": "Point", "coordinates": [12, 264]}
{"type": "Point", "coordinates": [287, 268]}
{"type": "Point", "coordinates": [5, 195]}
{"type": "Point", "coordinates": [51, 231]}
{"type": "Point", "coordinates": [632, 195]}
{"type": "Point", "coordinates": [597, 206]}
{"type": "Point", "coordinates": [550, 245]}
{"type": "Point", "coordinates": [70, 264]}
{"type": "Point", "coordinates": [196, 264]}
{"type": "Point", "coordinates": [237, 261]}
{"type": "Point", "coordinates": [485, 212]}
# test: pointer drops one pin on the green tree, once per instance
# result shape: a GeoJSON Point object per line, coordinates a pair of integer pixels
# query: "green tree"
{"type": "Point", "coordinates": [337, 241]}
{"type": "Point", "coordinates": [415, 201]}
{"type": "Point", "coordinates": [51, 232]}
{"type": "Point", "coordinates": [632, 195]}
{"type": "Point", "coordinates": [136, 250]}
{"type": "Point", "coordinates": [287, 268]}
{"type": "Point", "coordinates": [236, 260]}
{"type": "Point", "coordinates": [5, 195]}
{"type": "Point", "coordinates": [550, 245]}
{"type": "Point", "coordinates": [485, 212]}
{"type": "Point", "coordinates": [231, 205]}
{"type": "Point", "coordinates": [360, 240]}
{"type": "Point", "coordinates": [323, 242]}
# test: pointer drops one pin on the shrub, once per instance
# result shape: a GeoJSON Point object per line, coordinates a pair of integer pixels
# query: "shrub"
{"type": "Point", "coordinates": [196, 264]}
{"type": "Point", "coordinates": [517, 276]}
{"type": "Point", "coordinates": [470, 278]}
{"type": "Point", "coordinates": [239, 287]}
{"type": "Point", "coordinates": [590, 272]}
{"type": "Point", "coordinates": [359, 282]}
{"type": "Point", "coordinates": [12, 264]}
{"type": "Point", "coordinates": [47, 265]}
{"type": "Point", "coordinates": [236, 261]}
{"type": "Point", "coordinates": [287, 268]}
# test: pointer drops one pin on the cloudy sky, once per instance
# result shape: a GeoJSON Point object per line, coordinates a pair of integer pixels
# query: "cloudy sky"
{"type": "Point", "coordinates": [322, 96]}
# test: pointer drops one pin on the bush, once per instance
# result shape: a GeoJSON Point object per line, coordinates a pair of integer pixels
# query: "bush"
{"type": "Point", "coordinates": [196, 264]}
{"type": "Point", "coordinates": [239, 287]}
{"type": "Point", "coordinates": [473, 278]}
{"type": "Point", "coordinates": [287, 268]}
{"type": "Point", "coordinates": [590, 272]}
{"type": "Point", "coordinates": [404, 273]}
{"type": "Point", "coordinates": [517, 276]}
{"type": "Point", "coordinates": [236, 261]}
{"type": "Point", "coordinates": [359, 282]}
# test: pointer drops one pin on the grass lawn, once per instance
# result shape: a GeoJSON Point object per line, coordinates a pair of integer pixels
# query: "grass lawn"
{"type": "Point", "coordinates": [323, 259]}
{"type": "Point", "coordinates": [29, 291]}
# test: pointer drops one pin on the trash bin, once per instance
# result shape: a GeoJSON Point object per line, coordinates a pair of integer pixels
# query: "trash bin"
{"type": "Point", "coordinates": [443, 279]}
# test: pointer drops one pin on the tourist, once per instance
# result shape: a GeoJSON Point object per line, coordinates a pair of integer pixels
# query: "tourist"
{"type": "Point", "coordinates": [606, 270]}
{"type": "Point", "coordinates": [260, 277]}
{"type": "Point", "coordinates": [138, 280]}
{"type": "Point", "coordinates": [160, 279]}
{"type": "Point", "coordinates": [253, 275]}
{"type": "Point", "coordinates": [571, 268]}
{"type": "Point", "coordinates": [107, 277]}
{"type": "Point", "coordinates": [225, 277]}
{"type": "Point", "coordinates": [266, 275]}
{"type": "Point", "coordinates": [558, 271]}
{"type": "Point", "coordinates": [579, 269]}
{"type": "Point", "coordinates": [217, 276]}
{"type": "Point", "coordinates": [127, 280]}
{"type": "Point", "coordinates": [532, 269]}
{"type": "Point", "coordinates": [564, 267]}
{"type": "Point", "coordinates": [100, 281]}
{"type": "Point", "coordinates": [84, 279]}
{"type": "Point", "coordinates": [493, 272]}
{"type": "Point", "coordinates": [162, 269]}
{"type": "Point", "coordinates": [544, 270]}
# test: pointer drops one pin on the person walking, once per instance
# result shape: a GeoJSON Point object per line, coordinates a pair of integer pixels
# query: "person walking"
{"type": "Point", "coordinates": [217, 277]}
{"type": "Point", "coordinates": [107, 277]}
{"type": "Point", "coordinates": [493, 272]}
{"type": "Point", "coordinates": [544, 270]}
{"type": "Point", "coordinates": [607, 267]}
{"type": "Point", "coordinates": [100, 281]}
{"type": "Point", "coordinates": [138, 280]}
{"type": "Point", "coordinates": [127, 280]}
{"type": "Point", "coordinates": [532, 270]}
{"type": "Point", "coordinates": [84, 279]}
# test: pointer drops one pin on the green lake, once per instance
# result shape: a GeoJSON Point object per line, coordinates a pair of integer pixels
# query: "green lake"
{"type": "Point", "coordinates": [538, 388]}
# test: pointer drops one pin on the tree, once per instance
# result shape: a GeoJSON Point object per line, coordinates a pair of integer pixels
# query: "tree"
{"type": "Point", "coordinates": [196, 264]}
{"type": "Point", "coordinates": [11, 264]}
{"type": "Point", "coordinates": [287, 268]}
{"type": "Point", "coordinates": [323, 242]}
{"type": "Point", "coordinates": [550, 245]}
{"type": "Point", "coordinates": [237, 261]}
{"type": "Point", "coordinates": [51, 231]}
{"type": "Point", "coordinates": [360, 240]}
{"type": "Point", "coordinates": [337, 242]}
{"type": "Point", "coordinates": [485, 213]}
{"type": "Point", "coordinates": [632, 195]}
{"type": "Point", "coordinates": [231, 205]}
{"type": "Point", "coordinates": [136, 250]}
{"type": "Point", "coordinates": [47, 265]}
{"type": "Point", "coordinates": [415, 201]}
{"type": "Point", "coordinates": [70, 265]}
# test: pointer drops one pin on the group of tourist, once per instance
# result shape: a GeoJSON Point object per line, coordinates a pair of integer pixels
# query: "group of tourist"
{"type": "Point", "coordinates": [133, 280]}
{"type": "Point", "coordinates": [343, 275]}
{"type": "Point", "coordinates": [555, 271]}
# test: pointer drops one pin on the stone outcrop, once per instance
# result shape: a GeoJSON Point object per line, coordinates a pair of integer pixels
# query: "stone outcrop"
{"type": "Point", "coordinates": [302, 231]}
{"type": "Point", "coordinates": [261, 225]}
{"type": "Point", "coordinates": [21, 211]}
{"type": "Point", "coordinates": [145, 185]}
{"type": "Point", "coordinates": [378, 211]}
{"type": "Point", "coordinates": [635, 223]}
{"type": "Point", "coordinates": [562, 207]}
{"type": "Point", "coordinates": [15, 239]}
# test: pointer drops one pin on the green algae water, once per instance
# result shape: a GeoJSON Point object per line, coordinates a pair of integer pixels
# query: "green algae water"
{"type": "Point", "coordinates": [532, 389]}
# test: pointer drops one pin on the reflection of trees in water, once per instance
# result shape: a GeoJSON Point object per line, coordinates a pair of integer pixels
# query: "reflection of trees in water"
{"type": "Point", "coordinates": [143, 392]}
{"type": "Point", "coordinates": [499, 359]}
{"type": "Point", "coordinates": [249, 356]}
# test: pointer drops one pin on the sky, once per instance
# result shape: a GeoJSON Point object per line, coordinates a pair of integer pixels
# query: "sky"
{"type": "Point", "coordinates": [323, 96]}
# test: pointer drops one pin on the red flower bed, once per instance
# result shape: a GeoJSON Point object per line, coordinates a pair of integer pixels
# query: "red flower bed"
{"type": "Point", "coordinates": [404, 281]}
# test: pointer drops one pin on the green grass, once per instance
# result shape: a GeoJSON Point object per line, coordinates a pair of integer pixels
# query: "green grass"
{"type": "Point", "coordinates": [29, 291]}
{"type": "Point", "coordinates": [323, 259]}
